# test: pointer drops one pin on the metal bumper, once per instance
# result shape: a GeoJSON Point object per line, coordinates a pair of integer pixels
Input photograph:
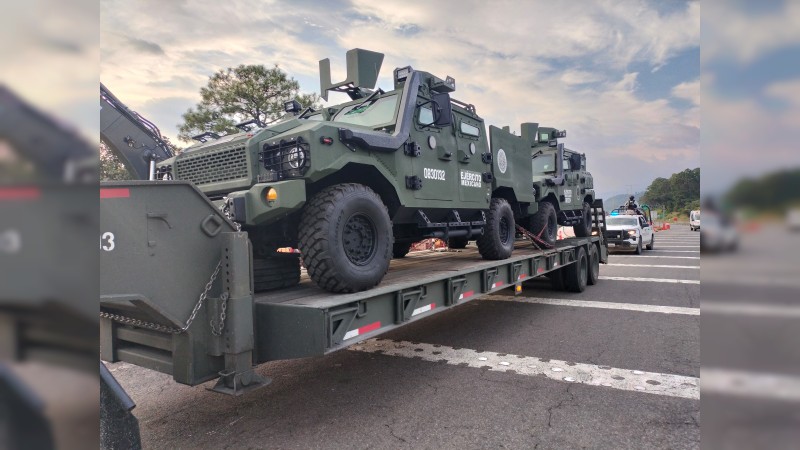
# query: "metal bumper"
{"type": "Point", "coordinates": [623, 244]}
{"type": "Point", "coordinates": [251, 207]}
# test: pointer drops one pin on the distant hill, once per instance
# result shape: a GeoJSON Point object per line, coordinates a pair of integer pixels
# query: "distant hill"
{"type": "Point", "coordinates": [618, 200]}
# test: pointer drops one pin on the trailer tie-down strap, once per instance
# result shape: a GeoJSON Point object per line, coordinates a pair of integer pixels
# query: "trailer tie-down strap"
{"type": "Point", "coordinates": [165, 329]}
{"type": "Point", "coordinates": [535, 240]}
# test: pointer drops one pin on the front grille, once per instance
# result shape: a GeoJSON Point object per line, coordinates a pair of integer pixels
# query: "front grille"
{"type": "Point", "coordinates": [285, 159]}
{"type": "Point", "coordinates": [614, 234]}
{"type": "Point", "coordinates": [213, 167]}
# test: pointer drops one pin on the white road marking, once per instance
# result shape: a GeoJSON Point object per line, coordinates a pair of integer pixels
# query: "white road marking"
{"type": "Point", "coordinates": [568, 372]}
{"type": "Point", "coordinates": [599, 305]}
{"type": "Point", "coordinates": [676, 251]}
{"type": "Point", "coordinates": [661, 266]}
{"type": "Point", "coordinates": [751, 309]}
{"type": "Point", "coordinates": [651, 280]}
{"type": "Point", "coordinates": [676, 246]}
{"type": "Point", "coordinates": [749, 384]}
{"type": "Point", "coordinates": [654, 256]}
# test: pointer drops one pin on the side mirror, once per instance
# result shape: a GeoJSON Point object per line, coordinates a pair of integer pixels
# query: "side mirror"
{"type": "Point", "coordinates": [443, 110]}
{"type": "Point", "coordinates": [575, 161]}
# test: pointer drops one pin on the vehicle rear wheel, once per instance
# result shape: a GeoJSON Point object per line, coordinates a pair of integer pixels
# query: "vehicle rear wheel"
{"type": "Point", "coordinates": [346, 238]}
{"type": "Point", "coordinates": [545, 222]}
{"type": "Point", "coordinates": [457, 242]}
{"type": "Point", "coordinates": [401, 249]}
{"type": "Point", "coordinates": [639, 246]}
{"type": "Point", "coordinates": [652, 242]}
{"type": "Point", "coordinates": [584, 229]}
{"type": "Point", "coordinates": [594, 265]}
{"type": "Point", "coordinates": [276, 272]}
{"type": "Point", "coordinates": [497, 241]}
{"type": "Point", "coordinates": [576, 274]}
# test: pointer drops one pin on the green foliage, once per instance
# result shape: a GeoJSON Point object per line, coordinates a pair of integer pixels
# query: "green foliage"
{"type": "Point", "coordinates": [772, 192]}
{"type": "Point", "coordinates": [111, 168]}
{"type": "Point", "coordinates": [680, 193]}
{"type": "Point", "coordinates": [237, 94]}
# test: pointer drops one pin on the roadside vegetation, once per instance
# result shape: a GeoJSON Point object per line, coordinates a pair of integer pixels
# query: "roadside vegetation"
{"type": "Point", "coordinates": [676, 196]}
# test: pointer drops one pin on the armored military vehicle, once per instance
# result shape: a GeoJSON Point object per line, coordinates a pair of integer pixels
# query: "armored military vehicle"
{"type": "Point", "coordinates": [564, 189]}
{"type": "Point", "coordinates": [355, 184]}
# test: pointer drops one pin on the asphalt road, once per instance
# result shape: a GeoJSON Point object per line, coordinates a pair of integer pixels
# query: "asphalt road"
{"type": "Point", "coordinates": [541, 370]}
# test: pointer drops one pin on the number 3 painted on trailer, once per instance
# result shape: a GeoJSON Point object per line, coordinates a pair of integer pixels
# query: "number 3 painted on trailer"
{"type": "Point", "coordinates": [108, 237]}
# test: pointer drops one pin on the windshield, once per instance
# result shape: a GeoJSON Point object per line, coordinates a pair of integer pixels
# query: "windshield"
{"type": "Point", "coordinates": [695, 216]}
{"type": "Point", "coordinates": [617, 220]}
{"type": "Point", "coordinates": [544, 163]}
{"type": "Point", "coordinates": [375, 113]}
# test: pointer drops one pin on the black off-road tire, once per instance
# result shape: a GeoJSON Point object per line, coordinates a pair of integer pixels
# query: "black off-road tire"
{"type": "Point", "coordinates": [345, 237]}
{"type": "Point", "coordinates": [401, 249]}
{"type": "Point", "coordinates": [652, 242]}
{"type": "Point", "coordinates": [584, 229]}
{"type": "Point", "coordinates": [497, 241]}
{"type": "Point", "coordinates": [576, 274]}
{"type": "Point", "coordinates": [545, 218]}
{"type": "Point", "coordinates": [457, 242]}
{"type": "Point", "coordinates": [639, 246]}
{"type": "Point", "coordinates": [594, 265]}
{"type": "Point", "coordinates": [276, 272]}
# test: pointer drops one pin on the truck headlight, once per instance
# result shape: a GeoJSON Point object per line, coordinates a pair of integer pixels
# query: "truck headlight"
{"type": "Point", "coordinates": [632, 232]}
{"type": "Point", "coordinates": [295, 157]}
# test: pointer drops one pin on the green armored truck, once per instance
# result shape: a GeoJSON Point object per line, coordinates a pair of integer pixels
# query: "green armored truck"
{"type": "Point", "coordinates": [564, 188]}
{"type": "Point", "coordinates": [355, 184]}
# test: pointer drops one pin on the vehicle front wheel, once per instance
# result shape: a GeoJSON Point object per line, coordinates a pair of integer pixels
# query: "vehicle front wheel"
{"type": "Point", "coordinates": [584, 229]}
{"type": "Point", "coordinates": [497, 241]}
{"type": "Point", "coordinates": [346, 238]}
{"type": "Point", "coordinates": [545, 223]}
{"type": "Point", "coordinates": [639, 246]}
{"type": "Point", "coordinates": [652, 242]}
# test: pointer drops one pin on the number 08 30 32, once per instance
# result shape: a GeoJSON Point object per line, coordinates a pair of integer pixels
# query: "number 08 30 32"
{"type": "Point", "coordinates": [107, 241]}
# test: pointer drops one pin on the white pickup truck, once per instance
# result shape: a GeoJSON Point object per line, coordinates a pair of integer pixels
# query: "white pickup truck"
{"type": "Point", "coordinates": [629, 232]}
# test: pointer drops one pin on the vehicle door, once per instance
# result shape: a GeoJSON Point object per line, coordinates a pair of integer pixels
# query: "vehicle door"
{"type": "Point", "coordinates": [647, 230]}
{"type": "Point", "coordinates": [472, 143]}
{"type": "Point", "coordinates": [436, 166]}
{"type": "Point", "coordinates": [572, 197]}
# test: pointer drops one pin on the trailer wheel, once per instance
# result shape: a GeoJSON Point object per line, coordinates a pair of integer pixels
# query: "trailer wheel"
{"type": "Point", "coordinates": [346, 238]}
{"type": "Point", "coordinates": [276, 272]}
{"type": "Point", "coordinates": [576, 274]}
{"type": "Point", "coordinates": [584, 229]}
{"type": "Point", "coordinates": [557, 279]}
{"type": "Point", "coordinates": [497, 242]}
{"type": "Point", "coordinates": [457, 242]}
{"type": "Point", "coordinates": [401, 249]}
{"type": "Point", "coordinates": [545, 222]}
{"type": "Point", "coordinates": [594, 265]}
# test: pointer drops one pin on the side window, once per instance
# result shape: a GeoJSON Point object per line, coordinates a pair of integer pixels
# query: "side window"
{"type": "Point", "coordinates": [567, 165]}
{"type": "Point", "coordinates": [425, 115]}
{"type": "Point", "coordinates": [469, 129]}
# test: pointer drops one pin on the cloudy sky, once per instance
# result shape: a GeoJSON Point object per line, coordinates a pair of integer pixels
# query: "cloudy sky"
{"type": "Point", "coordinates": [623, 77]}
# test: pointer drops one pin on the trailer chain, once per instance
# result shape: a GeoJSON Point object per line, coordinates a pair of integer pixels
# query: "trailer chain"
{"type": "Point", "coordinates": [536, 240]}
{"type": "Point", "coordinates": [165, 329]}
{"type": "Point", "coordinates": [226, 211]}
{"type": "Point", "coordinates": [223, 313]}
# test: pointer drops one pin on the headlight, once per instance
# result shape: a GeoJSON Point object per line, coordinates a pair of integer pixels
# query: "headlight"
{"type": "Point", "coordinates": [632, 232]}
{"type": "Point", "coordinates": [295, 157]}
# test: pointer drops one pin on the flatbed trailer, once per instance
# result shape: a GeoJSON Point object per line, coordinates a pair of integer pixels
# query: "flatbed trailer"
{"type": "Point", "coordinates": [162, 309]}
